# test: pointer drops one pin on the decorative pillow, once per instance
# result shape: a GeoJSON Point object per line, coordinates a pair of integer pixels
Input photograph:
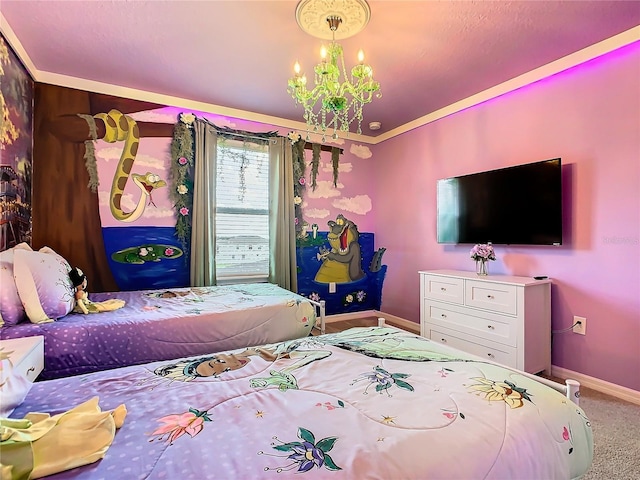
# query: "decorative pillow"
{"type": "Point", "coordinates": [43, 283]}
{"type": "Point", "coordinates": [11, 309]}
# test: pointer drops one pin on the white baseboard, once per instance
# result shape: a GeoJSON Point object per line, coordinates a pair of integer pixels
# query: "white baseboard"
{"type": "Point", "coordinates": [339, 317]}
{"type": "Point", "coordinates": [402, 322]}
{"type": "Point", "coordinates": [618, 391]}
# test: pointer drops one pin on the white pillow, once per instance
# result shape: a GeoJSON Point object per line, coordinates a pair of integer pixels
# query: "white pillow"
{"type": "Point", "coordinates": [11, 309]}
{"type": "Point", "coordinates": [43, 283]}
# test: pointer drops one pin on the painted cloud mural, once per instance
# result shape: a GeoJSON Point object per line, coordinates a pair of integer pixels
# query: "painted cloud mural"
{"type": "Point", "coordinates": [360, 204]}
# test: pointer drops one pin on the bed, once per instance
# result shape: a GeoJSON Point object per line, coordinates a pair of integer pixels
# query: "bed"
{"type": "Point", "coordinates": [369, 402]}
{"type": "Point", "coordinates": [166, 324]}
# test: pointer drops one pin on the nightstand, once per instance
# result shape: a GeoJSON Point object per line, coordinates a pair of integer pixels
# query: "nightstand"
{"type": "Point", "coordinates": [26, 358]}
{"type": "Point", "coordinates": [26, 355]}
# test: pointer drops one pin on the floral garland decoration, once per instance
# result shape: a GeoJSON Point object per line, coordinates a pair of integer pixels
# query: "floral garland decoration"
{"type": "Point", "coordinates": [181, 174]}
{"type": "Point", "coordinates": [299, 181]}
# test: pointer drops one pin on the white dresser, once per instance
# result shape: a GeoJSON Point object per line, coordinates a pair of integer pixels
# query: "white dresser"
{"type": "Point", "coordinates": [502, 318]}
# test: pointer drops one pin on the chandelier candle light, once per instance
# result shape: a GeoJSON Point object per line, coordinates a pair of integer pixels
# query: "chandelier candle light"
{"type": "Point", "coordinates": [333, 104]}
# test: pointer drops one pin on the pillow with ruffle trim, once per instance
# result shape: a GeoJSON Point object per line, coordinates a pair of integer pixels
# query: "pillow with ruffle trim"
{"type": "Point", "coordinates": [43, 283]}
{"type": "Point", "coordinates": [11, 309]}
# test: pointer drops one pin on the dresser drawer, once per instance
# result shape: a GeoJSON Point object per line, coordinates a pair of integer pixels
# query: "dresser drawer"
{"type": "Point", "coordinates": [444, 289]}
{"type": "Point", "coordinates": [31, 365]}
{"type": "Point", "coordinates": [490, 327]}
{"type": "Point", "coordinates": [495, 297]}
{"type": "Point", "coordinates": [27, 356]}
{"type": "Point", "coordinates": [504, 356]}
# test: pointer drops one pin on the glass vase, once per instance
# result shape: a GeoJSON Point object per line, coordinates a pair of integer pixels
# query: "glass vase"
{"type": "Point", "coordinates": [481, 267]}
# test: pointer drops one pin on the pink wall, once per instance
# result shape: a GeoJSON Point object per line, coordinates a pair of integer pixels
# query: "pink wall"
{"type": "Point", "coordinates": [590, 117]}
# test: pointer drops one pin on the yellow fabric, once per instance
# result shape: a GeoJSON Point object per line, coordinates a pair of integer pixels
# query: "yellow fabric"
{"type": "Point", "coordinates": [98, 307]}
{"type": "Point", "coordinates": [44, 445]}
{"type": "Point", "coordinates": [107, 305]}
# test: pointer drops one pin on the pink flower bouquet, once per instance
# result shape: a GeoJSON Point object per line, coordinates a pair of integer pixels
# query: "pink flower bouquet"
{"type": "Point", "coordinates": [483, 251]}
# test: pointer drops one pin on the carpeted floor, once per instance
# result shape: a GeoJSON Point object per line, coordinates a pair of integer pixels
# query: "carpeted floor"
{"type": "Point", "coordinates": [616, 436]}
{"type": "Point", "coordinates": [615, 424]}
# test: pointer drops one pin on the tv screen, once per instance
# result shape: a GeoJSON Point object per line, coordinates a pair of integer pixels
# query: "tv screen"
{"type": "Point", "coordinates": [520, 205]}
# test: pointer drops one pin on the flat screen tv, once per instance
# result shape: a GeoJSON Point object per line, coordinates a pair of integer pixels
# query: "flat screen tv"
{"type": "Point", "coordinates": [520, 205]}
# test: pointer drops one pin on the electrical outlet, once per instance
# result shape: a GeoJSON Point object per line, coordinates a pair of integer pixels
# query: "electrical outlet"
{"type": "Point", "coordinates": [580, 328]}
{"type": "Point", "coordinates": [332, 287]}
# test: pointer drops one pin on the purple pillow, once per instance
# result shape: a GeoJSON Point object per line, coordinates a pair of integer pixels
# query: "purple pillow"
{"type": "Point", "coordinates": [43, 283]}
{"type": "Point", "coordinates": [11, 309]}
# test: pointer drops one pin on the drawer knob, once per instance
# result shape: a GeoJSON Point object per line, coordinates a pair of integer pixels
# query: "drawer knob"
{"type": "Point", "coordinates": [490, 327]}
{"type": "Point", "coordinates": [443, 340]}
{"type": "Point", "coordinates": [490, 297]}
{"type": "Point", "coordinates": [32, 369]}
{"type": "Point", "coordinates": [443, 289]}
{"type": "Point", "coordinates": [443, 315]}
{"type": "Point", "coordinates": [490, 355]}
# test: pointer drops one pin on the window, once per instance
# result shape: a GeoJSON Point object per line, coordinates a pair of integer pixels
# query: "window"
{"type": "Point", "coordinates": [242, 211]}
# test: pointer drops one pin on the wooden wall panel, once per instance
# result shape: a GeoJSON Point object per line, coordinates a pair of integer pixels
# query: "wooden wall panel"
{"type": "Point", "coordinates": [65, 211]}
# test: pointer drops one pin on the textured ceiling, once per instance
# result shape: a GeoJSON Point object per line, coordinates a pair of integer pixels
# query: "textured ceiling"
{"type": "Point", "coordinates": [239, 54]}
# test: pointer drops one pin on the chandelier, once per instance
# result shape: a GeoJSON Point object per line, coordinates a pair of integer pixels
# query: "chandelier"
{"type": "Point", "coordinates": [337, 99]}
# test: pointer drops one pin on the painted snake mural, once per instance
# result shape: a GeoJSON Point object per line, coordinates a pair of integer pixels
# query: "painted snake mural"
{"type": "Point", "coordinates": [121, 127]}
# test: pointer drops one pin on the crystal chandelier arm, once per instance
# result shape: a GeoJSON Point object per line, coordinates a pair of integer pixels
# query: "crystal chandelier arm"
{"type": "Point", "coordinates": [337, 98]}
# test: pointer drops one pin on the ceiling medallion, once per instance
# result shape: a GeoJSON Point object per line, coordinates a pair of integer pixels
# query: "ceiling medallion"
{"type": "Point", "coordinates": [312, 16]}
{"type": "Point", "coordinates": [337, 99]}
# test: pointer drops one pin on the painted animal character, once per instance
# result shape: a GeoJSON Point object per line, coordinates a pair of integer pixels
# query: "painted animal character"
{"type": "Point", "coordinates": [343, 263]}
{"type": "Point", "coordinates": [120, 127]}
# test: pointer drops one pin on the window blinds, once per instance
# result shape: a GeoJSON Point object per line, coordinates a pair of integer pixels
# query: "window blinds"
{"type": "Point", "coordinates": [242, 212]}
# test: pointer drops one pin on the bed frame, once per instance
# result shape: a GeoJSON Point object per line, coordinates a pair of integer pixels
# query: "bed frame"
{"type": "Point", "coordinates": [320, 314]}
{"type": "Point", "coordinates": [571, 388]}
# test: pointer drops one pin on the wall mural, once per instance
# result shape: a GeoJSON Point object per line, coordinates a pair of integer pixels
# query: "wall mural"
{"type": "Point", "coordinates": [16, 154]}
{"type": "Point", "coordinates": [136, 214]}
{"type": "Point", "coordinates": [341, 267]}
{"type": "Point", "coordinates": [119, 127]}
{"type": "Point", "coordinates": [342, 263]}
{"type": "Point", "coordinates": [336, 262]}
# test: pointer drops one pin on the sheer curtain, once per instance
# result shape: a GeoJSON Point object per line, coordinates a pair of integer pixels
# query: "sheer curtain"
{"type": "Point", "coordinates": [203, 214]}
{"type": "Point", "coordinates": [282, 232]}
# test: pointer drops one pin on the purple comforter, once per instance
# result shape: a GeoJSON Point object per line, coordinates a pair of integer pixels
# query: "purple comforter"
{"type": "Point", "coordinates": [165, 324]}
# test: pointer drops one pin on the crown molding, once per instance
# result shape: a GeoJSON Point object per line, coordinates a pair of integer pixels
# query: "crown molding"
{"type": "Point", "coordinates": [581, 56]}
{"type": "Point", "coordinates": [17, 47]}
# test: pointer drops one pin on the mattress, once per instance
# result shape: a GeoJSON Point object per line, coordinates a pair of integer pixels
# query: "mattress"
{"type": "Point", "coordinates": [374, 403]}
{"type": "Point", "coordinates": [166, 324]}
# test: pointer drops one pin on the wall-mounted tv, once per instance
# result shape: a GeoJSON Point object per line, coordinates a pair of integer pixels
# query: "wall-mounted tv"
{"type": "Point", "coordinates": [520, 205]}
